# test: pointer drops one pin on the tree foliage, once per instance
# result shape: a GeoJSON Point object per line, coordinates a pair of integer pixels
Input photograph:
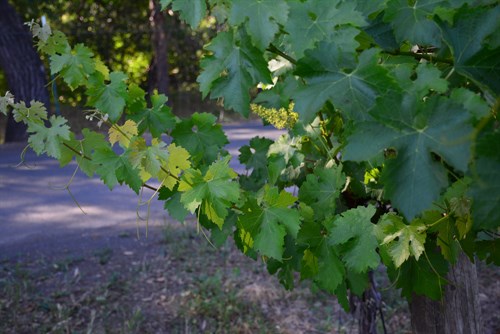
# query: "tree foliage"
{"type": "Point", "coordinates": [392, 146]}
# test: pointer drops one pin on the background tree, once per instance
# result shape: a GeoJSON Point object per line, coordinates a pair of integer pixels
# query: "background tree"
{"type": "Point", "coordinates": [22, 67]}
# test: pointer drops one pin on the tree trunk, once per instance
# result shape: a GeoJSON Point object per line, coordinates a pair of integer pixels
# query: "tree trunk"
{"type": "Point", "coordinates": [159, 65]}
{"type": "Point", "coordinates": [458, 312]}
{"type": "Point", "coordinates": [22, 66]}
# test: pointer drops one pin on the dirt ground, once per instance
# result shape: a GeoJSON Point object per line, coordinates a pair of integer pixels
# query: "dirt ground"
{"type": "Point", "coordinates": [174, 282]}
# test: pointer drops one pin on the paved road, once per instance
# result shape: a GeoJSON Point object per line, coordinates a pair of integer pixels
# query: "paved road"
{"type": "Point", "coordinates": [35, 211]}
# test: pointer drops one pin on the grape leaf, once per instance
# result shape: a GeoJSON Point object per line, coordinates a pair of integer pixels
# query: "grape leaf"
{"type": "Point", "coordinates": [74, 66]}
{"type": "Point", "coordinates": [466, 38]}
{"type": "Point", "coordinates": [48, 139]}
{"type": "Point", "coordinates": [191, 11]}
{"type": "Point", "coordinates": [268, 220]}
{"type": "Point", "coordinates": [321, 190]}
{"type": "Point", "coordinates": [402, 240]}
{"type": "Point", "coordinates": [263, 18]}
{"type": "Point", "coordinates": [135, 99]}
{"type": "Point", "coordinates": [56, 43]}
{"type": "Point", "coordinates": [114, 168]}
{"type": "Point", "coordinates": [201, 137]}
{"type": "Point", "coordinates": [234, 67]}
{"type": "Point", "coordinates": [355, 232]}
{"type": "Point", "coordinates": [173, 203]}
{"type": "Point", "coordinates": [91, 141]}
{"type": "Point", "coordinates": [423, 277]}
{"type": "Point", "coordinates": [212, 193]}
{"type": "Point", "coordinates": [157, 119]}
{"type": "Point", "coordinates": [413, 22]}
{"type": "Point", "coordinates": [485, 212]}
{"type": "Point", "coordinates": [122, 133]}
{"type": "Point", "coordinates": [316, 20]}
{"type": "Point", "coordinates": [35, 113]}
{"type": "Point", "coordinates": [254, 157]}
{"type": "Point", "coordinates": [352, 90]}
{"type": "Point", "coordinates": [177, 162]}
{"type": "Point", "coordinates": [412, 179]}
{"type": "Point", "coordinates": [489, 251]}
{"type": "Point", "coordinates": [164, 4]}
{"type": "Point", "coordinates": [108, 98]}
{"type": "Point", "coordinates": [147, 158]}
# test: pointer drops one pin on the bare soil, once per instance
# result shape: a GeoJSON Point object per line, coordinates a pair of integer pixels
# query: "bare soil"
{"type": "Point", "coordinates": [174, 281]}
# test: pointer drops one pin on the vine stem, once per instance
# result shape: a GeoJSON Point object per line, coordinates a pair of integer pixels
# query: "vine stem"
{"type": "Point", "coordinates": [420, 56]}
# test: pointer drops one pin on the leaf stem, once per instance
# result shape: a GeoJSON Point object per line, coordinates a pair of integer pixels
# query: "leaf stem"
{"type": "Point", "coordinates": [273, 49]}
{"type": "Point", "coordinates": [77, 152]}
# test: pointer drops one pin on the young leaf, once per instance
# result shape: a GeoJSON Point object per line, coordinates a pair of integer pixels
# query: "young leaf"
{"type": "Point", "coordinates": [114, 168]}
{"type": "Point", "coordinates": [211, 193]}
{"type": "Point", "coordinates": [122, 133]}
{"type": "Point", "coordinates": [402, 240]}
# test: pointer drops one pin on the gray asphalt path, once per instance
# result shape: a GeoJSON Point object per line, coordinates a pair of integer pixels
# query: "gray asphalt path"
{"type": "Point", "coordinates": [36, 210]}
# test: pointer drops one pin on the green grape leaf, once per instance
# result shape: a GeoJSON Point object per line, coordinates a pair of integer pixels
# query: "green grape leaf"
{"type": "Point", "coordinates": [48, 140]}
{"type": "Point", "coordinates": [234, 67]}
{"type": "Point", "coordinates": [413, 179]}
{"type": "Point", "coordinates": [108, 98]}
{"type": "Point", "coordinates": [353, 91]}
{"type": "Point", "coordinates": [212, 193]}
{"type": "Point", "coordinates": [254, 155]}
{"type": "Point", "coordinates": [177, 162]}
{"type": "Point", "coordinates": [355, 232]}
{"type": "Point", "coordinates": [489, 251]}
{"type": "Point", "coordinates": [331, 271]}
{"type": "Point", "coordinates": [423, 277]}
{"type": "Point", "coordinates": [268, 219]}
{"type": "Point", "coordinates": [35, 113]}
{"type": "Point", "coordinates": [413, 23]}
{"type": "Point", "coordinates": [147, 158]}
{"type": "Point", "coordinates": [263, 18]}
{"type": "Point", "coordinates": [316, 20]}
{"type": "Point", "coordinates": [74, 66]}
{"type": "Point", "coordinates": [466, 38]}
{"type": "Point", "coordinates": [321, 190]}
{"type": "Point", "coordinates": [91, 141]}
{"type": "Point", "coordinates": [164, 4]}
{"type": "Point", "coordinates": [485, 212]}
{"type": "Point", "coordinates": [402, 240]}
{"type": "Point", "coordinates": [191, 11]}
{"type": "Point", "coordinates": [173, 203]}
{"type": "Point", "coordinates": [56, 43]}
{"type": "Point", "coordinates": [114, 168]}
{"type": "Point", "coordinates": [157, 119]}
{"type": "Point", "coordinates": [471, 101]}
{"type": "Point", "coordinates": [135, 99]}
{"type": "Point", "coordinates": [201, 137]}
